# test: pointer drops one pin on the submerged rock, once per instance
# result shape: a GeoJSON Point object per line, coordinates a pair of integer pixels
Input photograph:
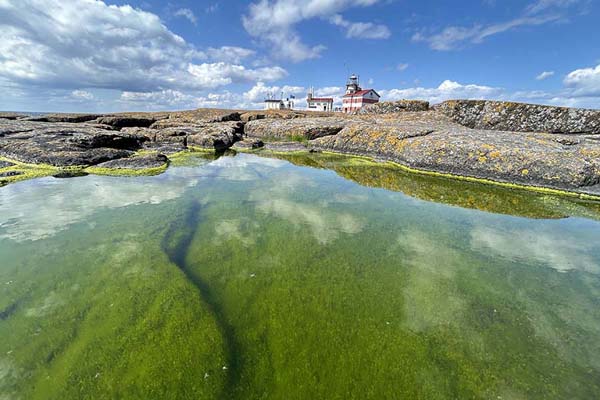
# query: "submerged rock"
{"type": "Point", "coordinates": [521, 117]}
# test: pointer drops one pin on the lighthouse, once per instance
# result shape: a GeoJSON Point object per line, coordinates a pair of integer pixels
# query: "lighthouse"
{"type": "Point", "coordinates": [357, 97]}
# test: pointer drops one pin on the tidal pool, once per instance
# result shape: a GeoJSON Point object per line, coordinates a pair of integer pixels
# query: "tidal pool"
{"type": "Point", "coordinates": [295, 277]}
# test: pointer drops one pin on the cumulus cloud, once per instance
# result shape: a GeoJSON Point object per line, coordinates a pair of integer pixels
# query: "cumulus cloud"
{"type": "Point", "coordinates": [188, 14]}
{"type": "Point", "coordinates": [544, 75]}
{"type": "Point", "coordinates": [361, 30]}
{"type": "Point", "coordinates": [273, 22]}
{"type": "Point", "coordinates": [260, 91]}
{"type": "Point", "coordinates": [82, 95]}
{"type": "Point", "coordinates": [584, 82]}
{"type": "Point", "coordinates": [90, 44]}
{"type": "Point", "coordinates": [445, 91]}
{"type": "Point", "coordinates": [537, 13]}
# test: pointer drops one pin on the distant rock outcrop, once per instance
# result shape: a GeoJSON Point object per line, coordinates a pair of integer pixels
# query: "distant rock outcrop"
{"type": "Point", "coordinates": [520, 117]}
{"type": "Point", "coordinates": [390, 107]}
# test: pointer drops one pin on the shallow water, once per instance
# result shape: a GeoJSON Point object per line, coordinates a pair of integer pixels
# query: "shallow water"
{"type": "Point", "coordinates": [309, 277]}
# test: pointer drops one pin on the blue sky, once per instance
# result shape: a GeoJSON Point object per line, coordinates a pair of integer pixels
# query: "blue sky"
{"type": "Point", "coordinates": [100, 56]}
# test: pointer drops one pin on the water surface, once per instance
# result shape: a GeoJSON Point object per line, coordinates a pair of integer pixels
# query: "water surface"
{"type": "Point", "coordinates": [312, 276]}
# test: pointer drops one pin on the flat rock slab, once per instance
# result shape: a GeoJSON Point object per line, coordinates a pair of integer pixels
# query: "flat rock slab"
{"type": "Point", "coordinates": [248, 144]}
{"type": "Point", "coordinates": [285, 146]}
{"type": "Point", "coordinates": [391, 107]}
{"type": "Point", "coordinates": [430, 141]}
{"type": "Point", "coordinates": [70, 118]}
{"type": "Point", "coordinates": [64, 144]}
{"type": "Point", "coordinates": [301, 128]}
{"type": "Point", "coordinates": [137, 162]}
{"type": "Point", "coordinates": [521, 117]}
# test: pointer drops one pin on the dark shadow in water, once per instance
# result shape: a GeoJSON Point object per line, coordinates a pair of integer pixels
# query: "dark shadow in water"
{"type": "Point", "coordinates": [8, 311]}
{"type": "Point", "coordinates": [176, 244]}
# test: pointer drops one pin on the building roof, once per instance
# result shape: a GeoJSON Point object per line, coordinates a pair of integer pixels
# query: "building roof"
{"type": "Point", "coordinates": [361, 93]}
{"type": "Point", "coordinates": [330, 99]}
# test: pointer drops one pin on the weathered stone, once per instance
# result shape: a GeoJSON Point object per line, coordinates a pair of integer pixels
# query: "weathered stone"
{"type": "Point", "coordinates": [63, 144]}
{"type": "Point", "coordinates": [521, 117]}
{"type": "Point", "coordinates": [5, 164]}
{"type": "Point", "coordinates": [13, 116]}
{"type": "Point", "coordinates": [285, 146]}
{"type": "Point", "coordinates": [248, 144]}
{"type": "Point", "coordinates": [137, 162]}
{"type": "Point", "coordinates": [218, 136]}
{"type": "Point", "coordinates": [390, 107]}
{"type": "Point", "coordinates": [531, 159]}
{"type": "Point", "coordinates": [123, 121]}
{"type": "Point", "coordinates": [298, 128]}
{"type": "Point", "coordinates": [70, 118]}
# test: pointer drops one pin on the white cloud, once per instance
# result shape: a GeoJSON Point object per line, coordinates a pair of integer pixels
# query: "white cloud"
{"type": "Point", "coordinates": [230, 54]}
{"type": "Point", "coordinates": [188, 14]}
{"type": "Point", "coordinates": [82, 95]}
{"type": "Point", "coordinates": [212, 75]}
{"type": "Point", "coordinates": [445, 91]}
{"type": "Point", "coordinates": [361, 30]}
{"type": "Point", "coordinates": [260, 91]}
{"type": "Point", "coordinates": [544, 75]}
{"type": "Point", "coordinates": [537, 13]}
{"type": "Point", "coordinates": [402, 67]}
{"type": "Point", "coordinates": [84, 43]}
{"type": "Point", "coordinates": [584, 82]}
{"type": "Point", "coordinates": [273, 22]}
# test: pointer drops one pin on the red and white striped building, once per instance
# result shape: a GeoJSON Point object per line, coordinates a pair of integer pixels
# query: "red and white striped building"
{"type": "Point", "coordinates": [356, 97]}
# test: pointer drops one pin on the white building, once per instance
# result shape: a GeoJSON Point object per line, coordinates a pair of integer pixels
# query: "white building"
{"type": "Point", "coordinates": [279, 104]}
{"type": "Point", "coordinates": [356, 97]}
{"type": "Point", "coordinates": [319, 103]}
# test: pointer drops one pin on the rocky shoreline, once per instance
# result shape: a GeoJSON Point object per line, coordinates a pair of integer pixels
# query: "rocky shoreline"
{"type": "Point", "coordinates": [536, 146]}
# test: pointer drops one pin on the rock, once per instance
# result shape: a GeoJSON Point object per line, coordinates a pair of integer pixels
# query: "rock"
{"type": "Point", "coordinates": [5, 164]}
{"type": "Point", "coordinates": [137, 162]}
{"type": "Point", "coordinates": [123, 121]}
{"type": "Point", "coordinates": [248, 144]}
{"type": "Point", "coordinates": [64, 144]}
{"type": "Point", "coordinates": [13, 116]}
{"type": "Point", "coordinates": [521, 117]}
{"type": "Point", "coordinates": [218, 136]}
{"type": "Point", "coordinates": [70, 118]}
{"type": "Point", "coordinates": [285, 146]}
{"type": "Point", "coordinates": [390, 107]}
{"type": "Point", "coordinates": [296, 129]}
{"type": "Point", "coordinates": [10, 173]}
{"type": "Point", "coordinates": [531, 159]}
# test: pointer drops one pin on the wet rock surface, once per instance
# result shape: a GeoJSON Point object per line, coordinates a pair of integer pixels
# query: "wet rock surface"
{"type": "Point", "coordinates": [137, 162]}
{"type": "Point", "coordinates": [5, 164]}
{"type": "Point", "coordinates": [520, 117]}
{"type": "Point", "coordinates": [506, 142]}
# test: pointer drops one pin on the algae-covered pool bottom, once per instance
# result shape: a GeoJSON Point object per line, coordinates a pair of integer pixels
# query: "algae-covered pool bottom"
{"type": "Point", "coordinates": [259, 278]}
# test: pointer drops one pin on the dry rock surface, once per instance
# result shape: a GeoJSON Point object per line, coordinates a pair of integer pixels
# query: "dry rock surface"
{"type": "Point", "coordinates": [525, 144]}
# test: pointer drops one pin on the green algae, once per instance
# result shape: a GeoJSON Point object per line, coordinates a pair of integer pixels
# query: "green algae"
{"type": "Point", "coordinates": [247, 277]}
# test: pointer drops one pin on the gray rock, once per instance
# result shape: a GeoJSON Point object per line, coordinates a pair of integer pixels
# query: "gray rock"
{"type": "Point", "coordinates": [64, 144]}
{"type": "Point", "coordinates": [285, 146]}
{"type": "Point", "coordinates": [432, 142]}
{"type": "Point", "coordinates": [390, 107]}
{"type": "Point", "coordinates": [296, 128]}
{"type": "Point", "coordinates": [137, 162]}
{"type": "Point", "coordinates": [248, 144]}
{"type": "Point", "coordinates": [70, 118]}
{"type": "Point", "coordinates": [521, 117]}
{"type": "Point", "coordinates": [5, 164]}
{"type": "Point", "coordinates": [123, 121]}
{"type": "Point", "coordinates": [11, 115]}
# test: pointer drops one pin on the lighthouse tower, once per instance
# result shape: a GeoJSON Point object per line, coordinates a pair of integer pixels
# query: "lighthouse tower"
{"type": "Point", "coordinates": [352, 85]}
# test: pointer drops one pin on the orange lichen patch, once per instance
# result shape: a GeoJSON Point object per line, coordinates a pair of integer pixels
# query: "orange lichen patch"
{"type": "Point", "coordinates": [525, 172]}
{"type": "Point", "coordinates": [494, 154]}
